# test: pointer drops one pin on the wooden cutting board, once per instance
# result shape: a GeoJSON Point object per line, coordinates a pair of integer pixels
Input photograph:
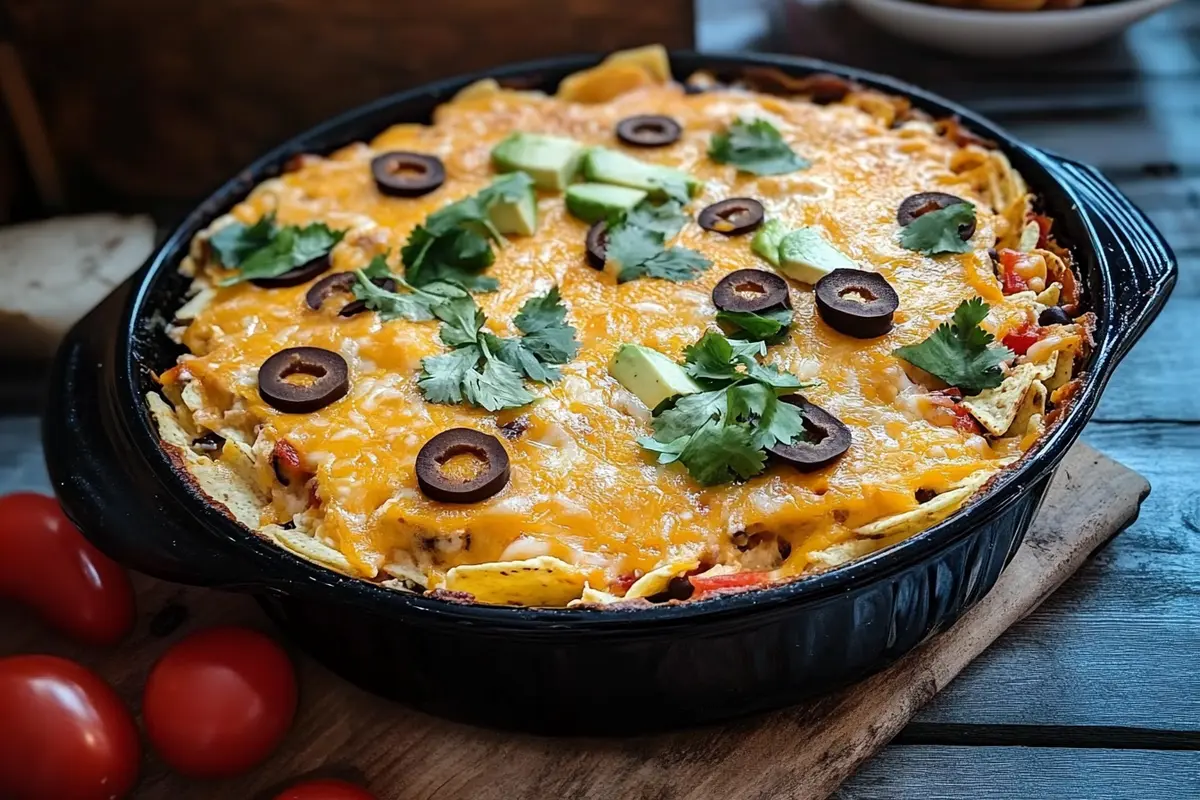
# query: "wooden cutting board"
{"type": "Point", "coordinates": [802, 752]}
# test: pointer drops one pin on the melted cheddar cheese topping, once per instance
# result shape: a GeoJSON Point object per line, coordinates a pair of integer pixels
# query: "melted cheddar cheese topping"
{"type": "Point", "coordinates": [582, 490]}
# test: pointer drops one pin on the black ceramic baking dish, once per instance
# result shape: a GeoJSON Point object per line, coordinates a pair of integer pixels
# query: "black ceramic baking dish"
{"type": "Point", "coordinates": [574, 670]}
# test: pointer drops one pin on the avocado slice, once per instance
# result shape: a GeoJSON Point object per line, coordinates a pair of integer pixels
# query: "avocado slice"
{"type": "Point", "coordinates": [593, 202]}
{"type": "Point", "coordinates": [766, 241]}
{"type": "Point", "coordinates": [517, 215]}
{"type": "Point", "coordinates": [611, 166]}
{"type": "Point", "coordinates": [551, 161]}
{"type": "Point", "coordinates": [807, 256]}
{"type": "Point", "coordinates": [649, 374]}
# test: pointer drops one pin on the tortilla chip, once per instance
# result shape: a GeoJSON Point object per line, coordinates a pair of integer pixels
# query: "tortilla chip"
{"type": "Point", "coordinates": [652, 58]}
{"type": "Point", "coordinates": [1050, 295]}
{"type": "Point", "coordinates": [1064, 368]}
{"type": "Point", "coordinates": [1030, 235]}
{"type": "Point", "coordinates": [1031, 411]}
{"type": "Point", "coordinates": [838, 554]}
{"type": "Point", "coordinates": [996, 408]}
{"type": "Point", "coordinates": [655, 581]}
{"type": "Point", "coordinates": [224, 486]}
{"type": "Point", "coordinates": [196, 304]}
{"type": "Point", "coordinates": [309, 548]}
{"type": "Point", "coordinates": [169, 428]}
{"type": "Point", "coordinates": [407, 574]}
{"type": "Point", "coordinates": [477, 90]}
{"type": "Point", "coordinates": [594, 597]}
{"type": "Point", "coordinates": [541, 581]}
{"type": "Point", "coordinates": [621, 72]}
{"type": "Point", "coordinates": [923, 516]}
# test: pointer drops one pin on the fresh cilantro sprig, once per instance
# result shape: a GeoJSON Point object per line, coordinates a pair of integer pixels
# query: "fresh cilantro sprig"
{"type": "Point", "coordinates": [722, 433]}
{"type": "Point", "coordinates": [755, 146]}
{"type": "Point", "coordinates": [486, 370]}
{"type": "Point", "coordinates": [637, 244]}
{"type": "Point", "coordinates": [415, 305]}
{"type": "Point", "coordinates": [960, 352]}
{"type": "Point", "coordinates": [937, 232]}
{"type": "Point", "coordinates": [267, 250]}
{"type": "Point", "coordinates": [454, 245]}
{"type": "Point", "coordinates": [758, 326]}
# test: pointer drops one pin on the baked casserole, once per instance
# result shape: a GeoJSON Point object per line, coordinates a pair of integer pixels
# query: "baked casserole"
{"type": "Point", "coordinates": [637, 342]}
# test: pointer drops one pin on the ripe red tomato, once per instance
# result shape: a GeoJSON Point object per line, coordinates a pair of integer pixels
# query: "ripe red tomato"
{"type": "Point", "coordinates": [219, 702]}
{"type": "Point", "coordinates": [51, 568]}
{"type": "Point", "coordinates": [64, 733]}
{"type": "Point", "coordinates": [326, 789]}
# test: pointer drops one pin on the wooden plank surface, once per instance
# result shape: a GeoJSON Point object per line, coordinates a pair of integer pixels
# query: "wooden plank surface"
{"type": "Point", "coordinates": [806, 751]}
{"type": "Point", "coordinates": [1025, 773]}
{"type": "Point", "coordinates": [219, 82]}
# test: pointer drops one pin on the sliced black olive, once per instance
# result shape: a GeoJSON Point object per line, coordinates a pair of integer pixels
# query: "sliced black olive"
{"type": "Point", "coordinates": [825, 438]}
{"type": "Point", "coordinates": [296, 275]}
{"type": "Point", "coordinates": [751, 290]}
{"type": "Point", "coordinates": [732, 217]}
{"type": "Point", "coordinates": [857, 303]}
{"type": "Point", "coordinates": [330, 379]}
{"type": "Point", "coordinates": [597, 245]}
{"type": "Point", "coordinates": [1054, 315]}
{"type": "Point", "coordinates": [649, 130]}
{"type": "Point", "coordinates": [437, 485]}
{"type": "Point", "coordinates": [678, 588]}
{"type": "Point", "coordinates": [342, 283]}
{"type": "Point", "coordinates": [404, 174]}
{"type": "Point", "coordinates": [924, 202]}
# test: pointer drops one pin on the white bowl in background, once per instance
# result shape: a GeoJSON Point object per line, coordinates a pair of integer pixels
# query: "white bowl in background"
{"type": "Point", "coordinates": [1004, 34]}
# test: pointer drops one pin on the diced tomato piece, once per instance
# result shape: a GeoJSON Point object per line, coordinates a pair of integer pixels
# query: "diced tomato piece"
{"type": "Point", "coordinates": [1044, 224]}
{"type": "Point", "coordinates": [623, 582]}
{"type": "Point", "coordinates": [733, 580]}
{"type": "Point", "coordinates": [1010, 279]}
{"type": "Point", "coordinates": [963, 421]}
{"type": "Point", "coordinates": [1020, 340]}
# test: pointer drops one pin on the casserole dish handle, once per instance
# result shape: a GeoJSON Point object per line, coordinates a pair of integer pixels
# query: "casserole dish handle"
{"type": "Point", "coordinates": [99, 478]}
{"type": "Point", "coordinates": [1140, 267]}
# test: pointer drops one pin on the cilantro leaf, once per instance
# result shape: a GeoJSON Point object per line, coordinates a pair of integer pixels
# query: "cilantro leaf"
{"type": "Point", "coordinates": [720, 453]}
{"type": "Point", "coordinates": [487, 371]}
{"type": "Point", "coordinates": [960, 352]}
{"type": "Point", "coordinates": [938, 231]}
{"type": "Point", "coordinates": [640, 253]}
{"type": "Point", "coordinates": [547, 335]}
{"type": "Point", "coordinates": [721, 434]}
{"type": "Point", "coordinates": [665, 218]}
{"type": "Point", "coordinates": [462, 320]}
{"type": "Point", "coordinates": [415, 305]}
{"type": "Point", "coordinates": [637, 244]}
{"type": "Point", "coordinates": [264, 250]}
{"type": "Point", "coordinates": [756, 147]}
{"type": "Point", "coordinates": [495, 387]}
{"type": "Point", "coordinates": [236, 241]}
{"type": "Point", "coordinates": [767, 326]}
{"type": "Point", "coordinates": [677, 264]}
{"type": "Point", "coordinates": [442, 376]}
{"type": "Point", "coordinates": [454, 244]}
